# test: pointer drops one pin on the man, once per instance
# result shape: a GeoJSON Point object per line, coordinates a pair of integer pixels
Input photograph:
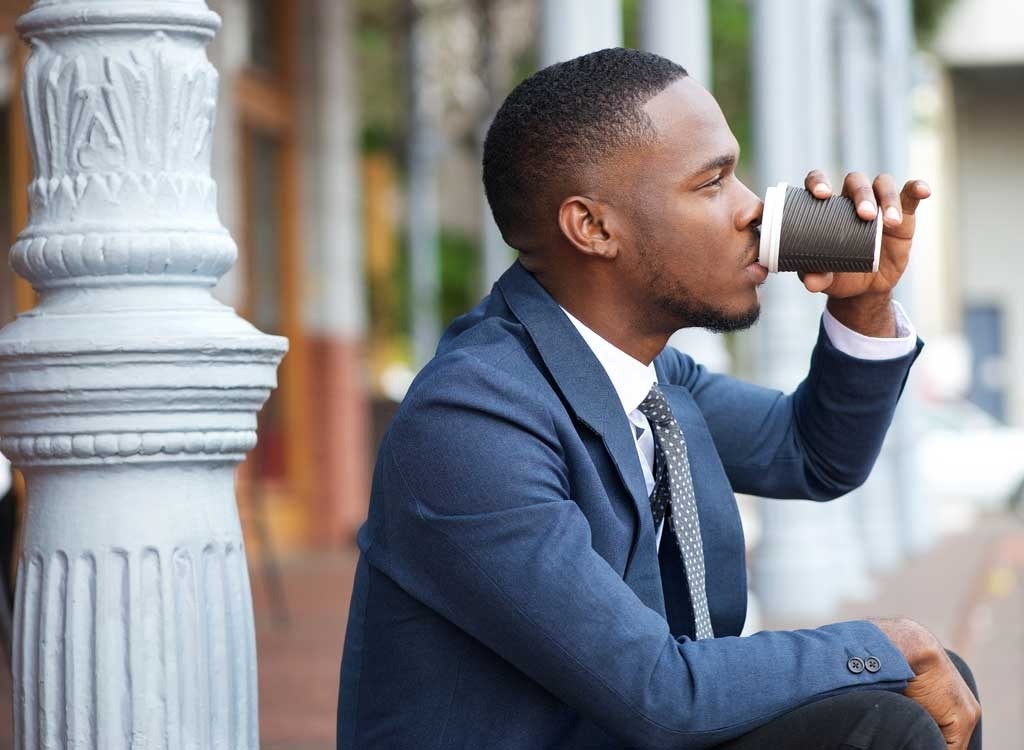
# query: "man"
{"type": "Point", "coordinates": [553, 555]}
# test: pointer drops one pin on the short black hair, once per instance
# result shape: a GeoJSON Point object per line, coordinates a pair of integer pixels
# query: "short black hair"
{"type": "Point", "coordinates": [566, 115]}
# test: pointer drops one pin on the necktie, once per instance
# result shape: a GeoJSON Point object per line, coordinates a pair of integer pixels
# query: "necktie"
{"type": "Point", "coordinates": [673, 494]}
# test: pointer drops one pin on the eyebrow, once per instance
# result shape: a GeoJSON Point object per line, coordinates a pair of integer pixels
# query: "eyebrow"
{"type": "Point", "coordinates": [725, 160]}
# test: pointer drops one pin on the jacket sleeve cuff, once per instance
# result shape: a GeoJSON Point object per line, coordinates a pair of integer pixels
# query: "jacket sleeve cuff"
{"type": "Point", "coordinates": [871, 660]}
{"type": "Point", "coordinates": [860, 346]}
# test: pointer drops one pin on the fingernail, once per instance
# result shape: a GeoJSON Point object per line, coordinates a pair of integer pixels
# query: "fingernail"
{"type": "Point", "coordinates": [892, 214]}
{"type": "Point", "coordinates": [866, 206]}
{"type": "Point", "coordinates": [821, 187]}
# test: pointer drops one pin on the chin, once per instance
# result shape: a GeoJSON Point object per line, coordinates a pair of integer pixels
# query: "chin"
{"type": "Point", "coordinates": [722, 321]}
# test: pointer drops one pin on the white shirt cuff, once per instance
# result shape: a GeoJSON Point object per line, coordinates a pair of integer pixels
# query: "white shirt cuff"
{"type": "Point", "coordinates": [860, 346]}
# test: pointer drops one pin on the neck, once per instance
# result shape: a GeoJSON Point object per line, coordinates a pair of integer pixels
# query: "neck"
{"type": "Point", "coordinates": [602, 309]}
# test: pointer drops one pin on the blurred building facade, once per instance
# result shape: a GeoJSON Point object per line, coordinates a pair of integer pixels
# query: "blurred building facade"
{"type": "Point", "coordinates": [287, 87]}
{"type": "Point", "coordinates": [346, 156]}
{"type": "Point", "coordinates": [980, 48]}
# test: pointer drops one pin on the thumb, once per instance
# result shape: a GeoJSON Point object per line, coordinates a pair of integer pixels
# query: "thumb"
{"type": "Point", "coordinates": [816, 282]}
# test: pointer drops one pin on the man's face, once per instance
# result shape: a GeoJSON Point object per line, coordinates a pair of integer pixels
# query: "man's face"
{"type": "Point", "coordinates": [686, 221]}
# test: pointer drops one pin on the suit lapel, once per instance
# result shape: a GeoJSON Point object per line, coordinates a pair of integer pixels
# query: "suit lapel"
{"type": "Point", "coordinates": [590, 394]}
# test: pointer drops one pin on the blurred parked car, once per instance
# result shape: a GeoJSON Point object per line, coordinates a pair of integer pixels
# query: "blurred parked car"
{"type": "Point", "coordinates": [968, 461]}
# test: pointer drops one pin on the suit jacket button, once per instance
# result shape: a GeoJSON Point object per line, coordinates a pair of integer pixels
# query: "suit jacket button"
{"type": "Point", "coordinates": [855, 665]}
{"type": "Point", "coordinates": [872, 664]}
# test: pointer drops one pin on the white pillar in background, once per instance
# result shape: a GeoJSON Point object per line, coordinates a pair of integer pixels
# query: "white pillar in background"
{"type": "Point", "coordinates": [129, 395]}
{"type": "Point", "coordinates": [852, 578]}
{"type": "Point", "coordinates": [916, 524]}
{"type": "Point", "coordinates": [423, 225]}
{"type": "Point", "coordinates": [340, 300]}
{"type": "Point", "coordinates": [862, 78]}
{"type": "Point", "coordinates": [681, 31]}
{"type": "Point", "coordinates": [797, 565]}
{"type": "Point", "coordinates": [497, 256]}
{"type": "Point", "coordinates": [570, 28]}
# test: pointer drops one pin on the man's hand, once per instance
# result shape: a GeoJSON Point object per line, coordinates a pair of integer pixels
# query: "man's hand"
{"type": "Point", "coordinates": [863, 301]}
{"type": "Point", "coordinates": [938, 686]}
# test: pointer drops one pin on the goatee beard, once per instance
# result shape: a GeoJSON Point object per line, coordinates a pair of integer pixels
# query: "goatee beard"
{"type": "Point", "coordinates": [712, 318]}
{"type": "Point", "coordinates": [717, 321]}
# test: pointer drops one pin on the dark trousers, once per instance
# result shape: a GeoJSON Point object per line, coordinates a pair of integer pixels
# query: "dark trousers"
{"type": "Point", "coordinates": [856, 720]}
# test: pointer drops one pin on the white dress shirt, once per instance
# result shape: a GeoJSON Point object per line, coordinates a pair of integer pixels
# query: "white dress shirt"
{"type": "Point", "coordinates": [632, 379]}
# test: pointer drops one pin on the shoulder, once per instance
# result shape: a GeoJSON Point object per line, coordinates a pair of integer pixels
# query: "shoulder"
{"type": "Point", "coordinates": [473, 418]}
{"type": "Point", "coordinates": [483, 377]}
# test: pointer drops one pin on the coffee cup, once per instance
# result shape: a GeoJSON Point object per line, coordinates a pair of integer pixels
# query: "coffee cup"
{"type": "Point", "coordinates": [813, 235]}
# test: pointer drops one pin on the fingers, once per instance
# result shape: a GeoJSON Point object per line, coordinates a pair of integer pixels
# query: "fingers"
{"type": "Point", "coordinates": [913, 193]}
{"type": "Point", "coordinates": [973, 716]}
{"type": "Point", "coordinates": [869, 197]}
{"type": "Point", "coordinates": [888, 199]}
{"type": "Point", "coordinates": [817, 184]}
{"type": "Point", "coordinates": [965, 712]}
{"type": "Point", "coordinates": [960, 728]}
{"type": "Point", "coordinates": [816, 282]}
{"type": "Point", "coordinates": [970, 708]}
{"type": "Point", "coordinates": [857, 188]}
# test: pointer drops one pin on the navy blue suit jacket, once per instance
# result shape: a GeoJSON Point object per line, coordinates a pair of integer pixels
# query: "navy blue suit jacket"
{"type": "Point", "coordinates": [509, 591]}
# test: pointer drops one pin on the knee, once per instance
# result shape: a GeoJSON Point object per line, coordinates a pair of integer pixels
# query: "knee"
{"type": "Point", "coordinates": [902, 723]}
{"type": "Point", "coordinates": [965, 672]}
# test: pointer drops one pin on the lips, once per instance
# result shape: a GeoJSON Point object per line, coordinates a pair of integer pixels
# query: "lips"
{"type": "Point", "coordinates": [757, 272]}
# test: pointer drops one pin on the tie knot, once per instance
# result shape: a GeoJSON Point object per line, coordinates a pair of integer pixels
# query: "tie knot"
{"type": "Point", "coordinates": [655, 407]}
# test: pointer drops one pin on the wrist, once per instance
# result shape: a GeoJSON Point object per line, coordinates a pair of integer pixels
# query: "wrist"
{"type": "Point", "coordinates": [867, 314]}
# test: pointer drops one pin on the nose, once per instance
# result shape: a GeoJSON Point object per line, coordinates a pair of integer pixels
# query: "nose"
{"type": "Point", "coordinates": [750, 211]}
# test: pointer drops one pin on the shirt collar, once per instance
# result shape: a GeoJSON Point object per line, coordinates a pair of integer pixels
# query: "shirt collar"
{"type": "Point", "coordinates": [630, 377]}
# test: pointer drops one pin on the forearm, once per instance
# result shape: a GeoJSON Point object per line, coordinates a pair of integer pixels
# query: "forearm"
{"type": "Point", "coordinates": [817, 443]}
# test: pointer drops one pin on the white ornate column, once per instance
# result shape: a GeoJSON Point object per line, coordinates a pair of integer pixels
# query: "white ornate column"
{"type": "Point", "coordinates": [128, 395]}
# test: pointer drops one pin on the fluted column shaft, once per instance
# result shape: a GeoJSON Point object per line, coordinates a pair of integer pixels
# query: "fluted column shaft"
{"type": "Point", "coordinates": [129, 395]}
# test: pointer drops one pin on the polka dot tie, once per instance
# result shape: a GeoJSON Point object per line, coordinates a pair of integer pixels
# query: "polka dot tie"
{"type": "Point", "coordinates": [673, 490]}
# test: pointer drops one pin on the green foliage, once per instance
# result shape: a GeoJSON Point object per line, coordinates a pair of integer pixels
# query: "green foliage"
{"type": "Point", "coordinates": [525, 65]}
{"type": "Point", "coordinates": [380, 59]}
{"type": "Point", "coordinates": [730, 63]}
{"type": "Point", "coordinates": [631, 24]}
{"type": "Point", "coordinates": [459, 258]}
{"type": "Point", "coordinates": [460, 269]}
{"type": "Point", "coordinates": [927, 15]}
{"type": "Point", "coordinates": [730, 69]}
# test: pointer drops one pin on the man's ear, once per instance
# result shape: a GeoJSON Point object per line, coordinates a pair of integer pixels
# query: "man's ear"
{"type": "Point", "coordinates": [589, 226]}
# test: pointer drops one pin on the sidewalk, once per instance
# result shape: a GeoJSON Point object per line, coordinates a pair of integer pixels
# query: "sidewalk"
{"type": "Point", "coordinates": [969, 591]}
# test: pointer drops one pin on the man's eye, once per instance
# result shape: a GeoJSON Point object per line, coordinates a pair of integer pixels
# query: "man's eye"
{"type": "Point", "coordinates": [715, 182]}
